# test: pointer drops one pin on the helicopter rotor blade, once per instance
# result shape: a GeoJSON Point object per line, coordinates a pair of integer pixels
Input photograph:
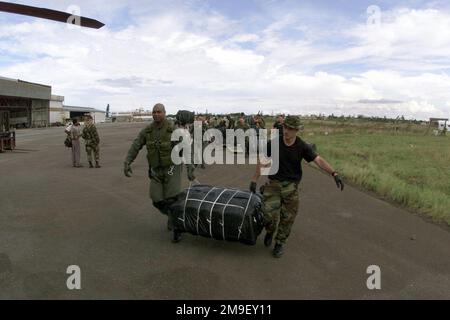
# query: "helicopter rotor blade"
{"type": "Point", "coordinates": [49, 14]}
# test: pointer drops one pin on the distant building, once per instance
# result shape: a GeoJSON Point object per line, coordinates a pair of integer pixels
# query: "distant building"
{"type": "Point", "coordinates": [27, 103]}
{"type": "Point", "coordinates": [439, 124]}
{"type": "Point", "coordinates": [122, 117]}
{"type": "Point", "coordinates": [443, 124]}
{"type": "Point", "coordinates": [57, 114]}
{"type": "Point", "coordinates": [71, 112]}
{"type": "Point", "coordinates": [33, 105]}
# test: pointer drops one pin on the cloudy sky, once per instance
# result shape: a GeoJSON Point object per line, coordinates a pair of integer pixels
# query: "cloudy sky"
{"type": "Point", "coordinates": [292, 56]}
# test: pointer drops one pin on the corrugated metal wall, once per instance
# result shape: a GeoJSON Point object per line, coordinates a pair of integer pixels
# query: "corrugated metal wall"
{"type": "Point", "coordinates": [40, 113]}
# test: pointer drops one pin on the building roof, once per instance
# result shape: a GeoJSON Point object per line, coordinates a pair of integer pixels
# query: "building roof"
{"type": "Point", "coordinates": [57, 98]}
{"type": "Point", "coordinates": [438, 119]}
{"type": "Point", "coordinates": [81, 109]}
{"type": "Point", "coordinates": [23, 89]}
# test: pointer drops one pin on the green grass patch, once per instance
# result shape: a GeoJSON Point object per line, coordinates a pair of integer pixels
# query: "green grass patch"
{"type": "Point", "coordinates": [410, 169]}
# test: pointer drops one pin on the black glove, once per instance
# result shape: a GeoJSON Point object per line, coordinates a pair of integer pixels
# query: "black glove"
{"type": "Point", "coordinates": [190, 173]}
{"type": "Point", "coordinates": [127, 169]}
{"type": "Point", "coordinates": [339, 182]}
{"type": "Point", "coordinates": [252, 187]}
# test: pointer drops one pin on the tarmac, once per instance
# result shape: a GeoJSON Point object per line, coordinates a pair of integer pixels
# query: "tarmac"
{"type": "Point", "coordinates": [53, 216]}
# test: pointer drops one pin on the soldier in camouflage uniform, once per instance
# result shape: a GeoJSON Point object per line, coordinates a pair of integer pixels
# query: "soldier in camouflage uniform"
{"type": "Point", "coordinates": [281, 191]}
{"type": "Point", "coordinates": [212, 122]}
{"type": "Point", "coordinates": [259, 122]}
{"type": "Point", "coordinates": [164, 175]}
{"type": "Point", "coordinates": [242, 125]}
{"type": "Point", "coordinates": [204, 143]}
{"type": "Point", "coordinates": [279, 124]}
{"type": "Point", "coordinates": [90, 136]}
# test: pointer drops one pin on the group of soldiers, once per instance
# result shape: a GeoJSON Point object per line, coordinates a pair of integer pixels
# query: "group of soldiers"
{"type": "Point", "coordinates": [92, 142]}
{"type": "Point", "coordinates": [280, 193]}
{"type": "Point", "coordinates": [232, 122]}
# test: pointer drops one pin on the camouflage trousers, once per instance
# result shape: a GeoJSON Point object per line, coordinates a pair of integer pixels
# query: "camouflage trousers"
{"type": "Point", "coordinates": [281, 206]}
{"type": "Point", "coordinates": [93, 150]}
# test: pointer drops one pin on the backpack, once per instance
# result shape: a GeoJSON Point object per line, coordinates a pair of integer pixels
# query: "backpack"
{"type": "Point", "coordinates": [68, 129]}
{"type": "Point", "coordinates": [68, 142]}
{"type": "Point", "coordinates": [185, 117]}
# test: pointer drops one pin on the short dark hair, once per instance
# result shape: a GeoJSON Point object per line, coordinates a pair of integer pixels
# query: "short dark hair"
{"type": "Point", "coordinates": [75, 121]}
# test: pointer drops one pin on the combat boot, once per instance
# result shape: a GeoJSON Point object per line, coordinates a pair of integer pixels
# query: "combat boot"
{"type": "Point", "coordinates": [169, 224]}
{"type": "Point", "coordinates": [97, 165]}
{"type": "Point", "coordinates": [268, 239]}
{"type": "Point", "coordinates": [176, 237]}
{"type": "Point", "coordinates": [90, 164]}
{"type": "Point", "coordinates": [278, 250]}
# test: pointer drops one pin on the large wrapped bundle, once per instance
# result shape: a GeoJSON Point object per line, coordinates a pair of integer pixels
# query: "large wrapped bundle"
{"type": "Point", "coordinates": [219, 213]}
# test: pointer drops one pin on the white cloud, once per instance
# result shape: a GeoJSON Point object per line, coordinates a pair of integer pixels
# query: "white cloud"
{"type": "Point", "coordinates": [245, 37]}
{"type": "Point", "coordinates": [185, 58]}
{"type": "Point", "coordinates": [407, 34]}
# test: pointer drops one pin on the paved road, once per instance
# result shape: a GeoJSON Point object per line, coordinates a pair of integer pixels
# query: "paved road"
{"type": "Point", "coordinates": [53, 216]}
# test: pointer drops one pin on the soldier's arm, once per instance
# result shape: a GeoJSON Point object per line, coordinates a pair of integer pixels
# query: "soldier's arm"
{"type": "Point", "coordinates": [260, 165]}
{"type": "Point", "coordinates": [96, 138]}
{"type": "Point", "coordinates": [323, 164]}
{"type": "Point", "coordinates": [84, 134]}
{"type": "Point", "coordinates": [136, 146]}
{"type": "Point", "coordinates": [257, 172]}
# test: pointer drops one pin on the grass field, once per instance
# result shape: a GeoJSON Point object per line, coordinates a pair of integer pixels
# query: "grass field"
{"type": "Point", "coordinates": [410, 170]}
{"type": "Point", "coordinates": [400, 164]}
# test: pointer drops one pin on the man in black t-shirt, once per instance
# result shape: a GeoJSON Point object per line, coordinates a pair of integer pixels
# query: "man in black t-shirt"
{"type": "Point", "coordinates": [281, 191]}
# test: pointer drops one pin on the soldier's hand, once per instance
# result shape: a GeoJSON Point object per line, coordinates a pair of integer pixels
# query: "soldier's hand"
{"type": "Point", "coordinates": [253, 186]}
{"type": "Point", "coordinates": [191, 177]}
{"type": "Point", "coordinates": [127, 169]}
{"type": "Point", "coordinates": [190, 173]}
{"type": "Point", "coordinates": [339, 182]}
